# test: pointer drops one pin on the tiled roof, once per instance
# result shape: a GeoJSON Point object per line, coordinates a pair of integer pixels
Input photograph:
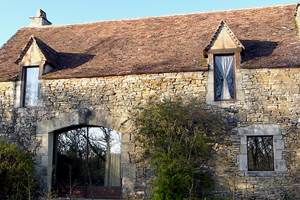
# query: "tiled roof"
{"type": "Point", "coordinates": [160, 44]}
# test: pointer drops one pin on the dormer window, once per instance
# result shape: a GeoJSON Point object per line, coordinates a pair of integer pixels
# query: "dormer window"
{"type": "Point", "coordinates": [36, 59]}
{"type": "Point", "coordinates": [31, 86]}
{"type": "Point", "coordinates": [224, 77]}
{"type": "Point", "coordinates": [223, 52]}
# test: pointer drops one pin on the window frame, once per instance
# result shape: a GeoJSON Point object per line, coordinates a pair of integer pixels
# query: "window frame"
{"type": "Point", "coordinates": [233, 54]}
{"type": "Point", "coordinates": [280, 167]}
{"type": "Point", "coordinates": [273, 155]}
{"type": "Point", "coordinates": [24, 82]}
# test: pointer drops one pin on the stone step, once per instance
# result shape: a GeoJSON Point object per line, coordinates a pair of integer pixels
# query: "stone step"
{"type": "Point", "coordinates": [82, 199]}
{"type": "Point", "coordinates": [92, 192]}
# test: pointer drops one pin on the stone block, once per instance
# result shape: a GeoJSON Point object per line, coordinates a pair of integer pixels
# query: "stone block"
{"type": "Point", "coordinates": [243, 162]}
{"type": "Point", "coordinates": [280, 165]}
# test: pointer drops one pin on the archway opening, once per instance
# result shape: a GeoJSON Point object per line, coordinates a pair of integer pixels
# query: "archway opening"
{"type": "Point", "coordinates": [87, 162]}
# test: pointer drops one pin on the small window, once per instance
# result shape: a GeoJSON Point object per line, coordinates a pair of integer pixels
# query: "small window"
{"type": "Point", "coordinates": [260, 153]}
{"type": "Point", "coordinates": [31, 86]}
{"type": "Point", "coordinates": [224, 78]}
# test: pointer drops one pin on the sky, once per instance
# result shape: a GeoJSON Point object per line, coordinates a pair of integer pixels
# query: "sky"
{"type": "Point", "coordinates": [15, 13]}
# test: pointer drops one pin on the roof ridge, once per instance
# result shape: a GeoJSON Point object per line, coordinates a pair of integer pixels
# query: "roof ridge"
{"type": "Point", "coordinates": [162, 16]}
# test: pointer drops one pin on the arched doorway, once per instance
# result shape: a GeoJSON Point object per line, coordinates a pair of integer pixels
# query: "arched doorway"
{"type": "Point", "coordinates": [87, 162]}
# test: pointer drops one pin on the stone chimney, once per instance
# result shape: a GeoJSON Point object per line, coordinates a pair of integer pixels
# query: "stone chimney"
{"type": "Point", "coordinates": [40, 19]}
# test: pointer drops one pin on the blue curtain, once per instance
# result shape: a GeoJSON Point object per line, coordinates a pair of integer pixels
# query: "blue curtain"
{"type": "Point", "coordinates": [224, 77]}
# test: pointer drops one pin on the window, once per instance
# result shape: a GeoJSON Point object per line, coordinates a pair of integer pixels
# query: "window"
{"type": "Point", "coordinates": [260, 153]}
{"type": "Point", "coordinates": [31, 86]}
{"type": "Point", "coordinates": [261, 150]}
{"type": "Point", "coordinates": [224, 79]}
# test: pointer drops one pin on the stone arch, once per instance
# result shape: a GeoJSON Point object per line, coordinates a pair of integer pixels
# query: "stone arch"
{"type": "Point", "coordinates": [78, 117]}
{"type": "Point", "coordinates": [84, 117]}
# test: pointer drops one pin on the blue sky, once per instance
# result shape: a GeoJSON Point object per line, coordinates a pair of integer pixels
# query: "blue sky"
{"type": "Point", "coordinates": [14, 13]}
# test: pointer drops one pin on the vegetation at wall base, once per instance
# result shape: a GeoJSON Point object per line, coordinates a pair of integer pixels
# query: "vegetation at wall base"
{"type": "Point", "coordinates": [16, 173]}
{"type": "Point", "coordinates": [177, 138]}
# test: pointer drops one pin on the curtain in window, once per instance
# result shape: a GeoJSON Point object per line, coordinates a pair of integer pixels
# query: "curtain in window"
{"type": "Point", "coordinates": [113, 170]}
{"type": "Point", "coordinates": [224, 77]}
{"type": "Point", "coordinates": [113, 160]}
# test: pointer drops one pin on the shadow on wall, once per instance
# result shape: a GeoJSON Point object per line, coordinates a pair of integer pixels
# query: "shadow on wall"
{"type": "Point", "coordinates": [257, 48]}
{"type": "Point", "coordinates": [72, 60]}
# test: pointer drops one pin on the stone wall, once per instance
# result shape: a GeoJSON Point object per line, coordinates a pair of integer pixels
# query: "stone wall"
{"type": "Point", "coordinates": [6, 108]}
{"type": "Point", "coordinates": [264, 96]}
{"type": "Point", "coordinates": [270, 97]}
{"type": "Point", "coordinates": [111, 100]}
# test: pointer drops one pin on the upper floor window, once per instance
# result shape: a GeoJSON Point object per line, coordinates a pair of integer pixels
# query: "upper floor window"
{"type": "Point", "coordinates": [224, 77]}
{"type": "Point", "coordinates": [31, 86]}
{"type": "Point", "coordinates": [224, 56]}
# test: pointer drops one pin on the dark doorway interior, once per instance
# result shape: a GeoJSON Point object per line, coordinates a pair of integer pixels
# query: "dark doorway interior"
{"type": "Point", "coordinates": [87, 163]}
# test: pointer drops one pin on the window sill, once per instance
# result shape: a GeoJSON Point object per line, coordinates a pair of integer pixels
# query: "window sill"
{"type": "Point", "coordinates": [263, 173]}
{"type": "Point", "coordinates": [227, 100]}
{"type": "Point", "coordinates": [223, 103]}
{"type": "Point", "coordinates": [28, 108]}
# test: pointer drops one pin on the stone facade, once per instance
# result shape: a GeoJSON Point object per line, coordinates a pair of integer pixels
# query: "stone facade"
{"type": "Point", "coordinates": [267, 97]}
{"type": "Point", "coordinates": [106, 102]}
{"type": "Point", "coordinates": [266, 100]}
{"type": "Point", "coordinates": [265, 104]}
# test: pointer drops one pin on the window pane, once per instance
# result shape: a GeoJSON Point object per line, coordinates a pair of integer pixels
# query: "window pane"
{"type": "Point", "coordinates": [31, 86]}
{"type": "Point", "coordinates": [224, 77]}
{"type": "Point", "coordinates": [260, 153]}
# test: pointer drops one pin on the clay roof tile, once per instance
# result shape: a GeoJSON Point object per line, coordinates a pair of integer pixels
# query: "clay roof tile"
{"type": "Point", "coordinates": [158, 44]}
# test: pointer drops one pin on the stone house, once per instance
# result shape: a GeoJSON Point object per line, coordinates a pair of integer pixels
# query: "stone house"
{"type": "Point", "coordinates": [57, 79]}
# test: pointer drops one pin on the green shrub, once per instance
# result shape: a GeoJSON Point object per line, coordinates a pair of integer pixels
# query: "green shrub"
{"type": "Point", "coordinates": [177, 138]}
{"type": "Point", "coordinates": [16, 173]}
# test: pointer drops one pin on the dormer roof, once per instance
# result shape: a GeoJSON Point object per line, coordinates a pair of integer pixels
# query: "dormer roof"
{"type": "Point", "coordinates": [49, 54]}
{"type": "Point", "coordinates": [223, 38]}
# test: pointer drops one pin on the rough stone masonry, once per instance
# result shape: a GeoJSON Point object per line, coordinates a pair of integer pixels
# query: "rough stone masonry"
{"type": "Point", "coordinates": [74, 90]}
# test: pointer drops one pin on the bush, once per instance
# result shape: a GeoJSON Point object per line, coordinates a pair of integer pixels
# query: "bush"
{"type": "Point", "coordinates": [177, 138]}
{"type": "Point", "coordinates": [16, 173]}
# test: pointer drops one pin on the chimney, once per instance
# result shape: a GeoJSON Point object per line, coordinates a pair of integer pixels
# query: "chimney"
{"type": "Point", "coordinates": [40, 19]}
